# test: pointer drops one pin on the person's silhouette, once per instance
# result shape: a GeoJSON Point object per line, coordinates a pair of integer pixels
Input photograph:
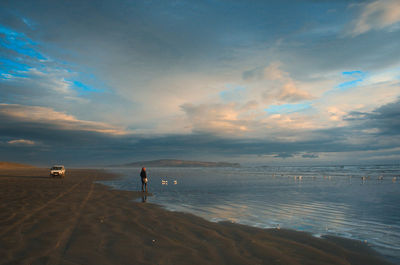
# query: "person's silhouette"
{"type": "Point", "coordinates": [143, 176]}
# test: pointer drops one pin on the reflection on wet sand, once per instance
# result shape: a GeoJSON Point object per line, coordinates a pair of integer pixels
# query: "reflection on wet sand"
{"type": "Point", "coordinates": [144, 196]}
{"type": "Point", "coordinates": [354, 202]}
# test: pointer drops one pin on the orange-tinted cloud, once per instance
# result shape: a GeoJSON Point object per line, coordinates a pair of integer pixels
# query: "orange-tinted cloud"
{"type": "Point", "coordinates": [46, 115]}
{"type": "Point", "coordinates": [376, 15]}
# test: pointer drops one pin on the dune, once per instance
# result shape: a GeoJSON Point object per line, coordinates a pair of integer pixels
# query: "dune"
{"type": "Point", "coordinates": [12, 165]}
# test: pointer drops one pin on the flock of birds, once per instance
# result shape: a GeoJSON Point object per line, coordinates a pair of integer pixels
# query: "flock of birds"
{"type": "Point", "coordinates": [165, 182]}
{"type": "Point", "coordinates": [300, 178]}
{"type": "Point", "coordinates": [363, 178]}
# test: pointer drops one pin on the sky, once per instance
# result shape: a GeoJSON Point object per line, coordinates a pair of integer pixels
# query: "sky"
{"type": "Point", "coordinates": [255, 82]}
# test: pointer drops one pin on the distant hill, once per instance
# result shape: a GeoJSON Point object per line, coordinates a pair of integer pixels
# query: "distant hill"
{"type": "Point", "coordinates": [7, 165]}
{"type": "Point", "coordinates": [177, 163]}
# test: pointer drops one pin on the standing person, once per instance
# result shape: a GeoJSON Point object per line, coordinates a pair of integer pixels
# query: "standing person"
{"type": "Point", "coordinates": [143, 176]}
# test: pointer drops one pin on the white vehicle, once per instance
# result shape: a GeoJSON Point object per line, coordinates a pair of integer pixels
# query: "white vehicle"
{"type": "Point", "coordinates": [57, 171]}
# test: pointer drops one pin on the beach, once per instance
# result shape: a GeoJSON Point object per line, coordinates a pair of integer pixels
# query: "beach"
{"type": "Point", "coordinates": [74, 220]}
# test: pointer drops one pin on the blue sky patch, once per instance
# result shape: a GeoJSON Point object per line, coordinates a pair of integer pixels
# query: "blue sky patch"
{"type": "Point", "coordinates": [19, 43]}
{"type": "Point", "coordinates": [11, 65]}
{"type": "Point", "coordinates": [352, 73]}
{"type": "Point", "coordinates": [9, 68]}
{"type": "Point", "coordinates": [83, 88]}
{"type": "Point", "coordinates": [232, 93]}
{"type": "Point", "coordinates": [288, 108]}
{"type": "Point", "coordinates": [357, 76]}
{"type": "Point", "coordinates": [19, 54]}
{"type": "Point", "coordinates": [8, 32]}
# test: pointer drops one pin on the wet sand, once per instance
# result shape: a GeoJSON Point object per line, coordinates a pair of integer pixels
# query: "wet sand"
{"type": "Point", "coordinates": [76, 221]}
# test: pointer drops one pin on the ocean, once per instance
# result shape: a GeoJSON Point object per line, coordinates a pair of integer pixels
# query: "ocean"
{"type": "Point", "coordinates": [357, 202]}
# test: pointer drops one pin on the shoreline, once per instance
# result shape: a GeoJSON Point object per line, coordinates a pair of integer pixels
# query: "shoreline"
{"type": "Point", "coordinates": [77, 221]}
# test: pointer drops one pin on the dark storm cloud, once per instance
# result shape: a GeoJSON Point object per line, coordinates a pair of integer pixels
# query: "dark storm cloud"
{"type": "Point", "coordinates": [310, 156]}
{"type": "Point", "coordinates": [385, 119]}
{"type": "Point", "coordinates": [284, 155]}
{"type": "Point", "coordinates": [52, 143]}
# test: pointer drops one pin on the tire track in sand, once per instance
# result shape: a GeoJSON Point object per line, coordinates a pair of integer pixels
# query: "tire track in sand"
{"type": "Point", "coordinates": [60, 247]}
{"type": "Point", "coordinates": [20, 221]}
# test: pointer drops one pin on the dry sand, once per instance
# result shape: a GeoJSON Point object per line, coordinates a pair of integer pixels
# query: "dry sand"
{"type": "Point", "coordinates": [75, 221]}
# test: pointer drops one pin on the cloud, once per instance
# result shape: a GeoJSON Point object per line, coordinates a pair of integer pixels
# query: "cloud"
{"type": "Point", "coordinates": [48, 116]}
{"type": "Point", "coordinates": [277, 84]}
{"type": "Point", "coordinates": [284, 155]}
{"type": "Point", "coordinates": [376, 15]}
{"type": "Point", "coordinates": [175, 80]}
{"type": "Point", "coordinates": [291, 93]}
{"type": "Point", "coordinates": [250, 121]}
{"type": "Point", "coordinates": [52, 80]}
{"type": "Point", "coordinates": [21, 142]}
{"type": "Point", "coordinates": [383, 121]}
{"type": "Point", "coordinates": [79, 145]}
{"type": "Point", "coordinates": [228, 118]}
{"type": "Point", "coordinates": [310, 156]}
